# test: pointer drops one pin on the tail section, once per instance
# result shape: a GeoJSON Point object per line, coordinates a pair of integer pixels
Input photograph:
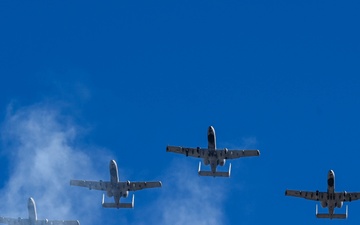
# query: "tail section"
{"type": "Point", "coordinates": [119, 205]}
{"type": "Point", "coordinates": [214, 174]}
{"type": "Point", "coordinates": [331, 216]}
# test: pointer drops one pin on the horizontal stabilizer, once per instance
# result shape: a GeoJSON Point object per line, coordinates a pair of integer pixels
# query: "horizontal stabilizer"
{"type": "Point", "coordinates": [214, 174]}
{"type": "Point", "coordinates": [120, 205]}
{"type": "Point", "coordinates": [329, 216]}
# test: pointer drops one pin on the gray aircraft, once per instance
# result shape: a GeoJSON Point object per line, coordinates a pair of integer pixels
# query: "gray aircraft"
{"type": "Point", "coordinates": [115, 188]}
{"type": "Point", "coordinates": [212, 155]}
{"type": "Point", "coordinates": [33, 220]}
{"type": "Point", "coordinates": [329, 199]}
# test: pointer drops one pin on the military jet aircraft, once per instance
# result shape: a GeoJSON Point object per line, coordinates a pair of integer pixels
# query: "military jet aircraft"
{"type": "Point", "coordinates": [32, 220]}
{"type": "Point", "coordinates": [115, 188]}
{"type": "Point", "coordinates": [212, 155]}
{"type": "Point", "coordinates": [330, 198]}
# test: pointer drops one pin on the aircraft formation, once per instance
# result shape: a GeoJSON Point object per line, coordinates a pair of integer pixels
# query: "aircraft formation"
{"type": "Point", "coordinates": [210, 156]}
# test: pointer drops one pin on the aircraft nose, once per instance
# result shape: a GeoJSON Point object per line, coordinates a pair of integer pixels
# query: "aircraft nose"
{"type": "Point", "coordinates": [331, 173]}
{"type": "Point", "coordinates": [112, 163]}
{"type": "Point", "coordinates": [211, 129]}
{"type": "Point", "coordinates": [31, 202]}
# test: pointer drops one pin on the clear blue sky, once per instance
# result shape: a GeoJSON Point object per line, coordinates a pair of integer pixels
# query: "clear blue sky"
{"type": "Point", "coordinates": [85, 82]}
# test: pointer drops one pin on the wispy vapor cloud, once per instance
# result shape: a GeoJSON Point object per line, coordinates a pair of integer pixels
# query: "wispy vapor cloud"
{"type": "Point", "coordinates": [40, 145]}
{"type": "Point", "coordinates": [43, 158]}
{"type": "Point", "coordinates": [186, 198]}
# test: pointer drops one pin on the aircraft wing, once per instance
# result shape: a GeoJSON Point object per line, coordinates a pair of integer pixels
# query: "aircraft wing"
{"type": "Point", "coordinates": [311, 195]}
{"type": "Point", "coordinates": [97, 185]}
{"type": "Point", "coordinates": [233, 154]}
{"type": "Point", "coordinates": [13, 221]}
{"type": "Point", "coordinates": [350, 196]}
{"type": "Point", "coordinates": [57, 222]}
{"type": "Point", "coordinates": [194, 152]}
{"type": "Point", "coordinates": [135, 186]}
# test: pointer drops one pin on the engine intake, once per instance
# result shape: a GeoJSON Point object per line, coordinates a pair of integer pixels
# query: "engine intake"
{"type": "Point", "coordinates": [109, 194]}
{"type": "Point", "coordinates": [339, 204]}
{"type": "Point", "coordinates": [125, 194]}
{"type": "Point", "coordinates": [222, 162]}
{"type": "Point", "coordinates": [206, 161]}
{"type": "Point", "coordinates": [324, 204]}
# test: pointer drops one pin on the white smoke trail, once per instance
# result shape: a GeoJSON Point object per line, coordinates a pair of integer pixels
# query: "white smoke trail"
{"type": "Point", "coordinates": [40, 146]}
{"type": "Point", "coordinates": [187, 198]}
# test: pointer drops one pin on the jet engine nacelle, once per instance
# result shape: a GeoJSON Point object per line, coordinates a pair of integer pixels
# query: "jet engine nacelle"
{"type": "Point", "coordinates": [339, 204]}
{"type": "Point", "coordinates": [206, 161]}
{"type": "Point", "coordinates": [125, 194]}
{"type": "Point", "coordinates": [222, 162]}
{"type": "Point", "coordinates": [109, 194]}
{"type": "Point", "coordinates": [324, 204]}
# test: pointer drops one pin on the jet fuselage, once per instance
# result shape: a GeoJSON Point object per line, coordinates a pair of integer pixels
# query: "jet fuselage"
{"type": "Point", "coordinates": [117, 189]}
{"type": "Point", "coordinates": [32, 211]}
{"type": "Point", "coordinates": [331, 202]}
{"type": "Point", "coordinates": [212, 157]}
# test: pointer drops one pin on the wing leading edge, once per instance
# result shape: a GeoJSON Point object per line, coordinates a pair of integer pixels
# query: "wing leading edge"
{"type": "Point", "coordinates": [220, 153]}
{"type": "Point", "coordinates": [57, 222]}
{"type": "Point", "coordinates": [13, 221]}
{"type": "Point", "coordinates": [310, 195]}
{"type": "Point", "coordinates": [96, 185]}
{"type": "Point", "coordinates": [135, 186]}
{"type": "Point", "coordinates": [319, 196]}
{"type": "Point", "coordinates": [20, 221]}
{"type": "Point", "coordinates": [194, 152]}
{"type": "Point", "coordinates": [104, 185]}
{"type": "Point", "coordinates": [233, 154]}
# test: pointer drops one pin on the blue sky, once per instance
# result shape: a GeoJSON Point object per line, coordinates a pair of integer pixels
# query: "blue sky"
{"type": "Point", "coordinates": [85, 82]}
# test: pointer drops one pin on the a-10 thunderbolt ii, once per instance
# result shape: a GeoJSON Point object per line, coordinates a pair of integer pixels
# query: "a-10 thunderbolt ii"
{"type": "Point", "coordinates": [329, 199]}
{"type": "Point", "coordinates": [213, 156]}
{"type": "Point", "coordinates": [33, 220]}
{"type": "Point", "coordinates": [115, 188]}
